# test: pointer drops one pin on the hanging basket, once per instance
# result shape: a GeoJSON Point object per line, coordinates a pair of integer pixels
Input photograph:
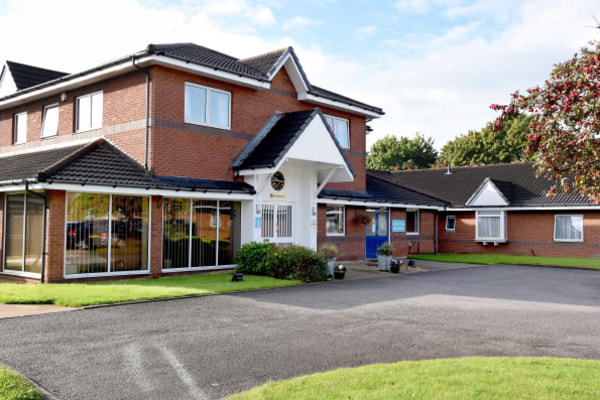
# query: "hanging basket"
{"type": "Point", "coordinates": [363, 219]}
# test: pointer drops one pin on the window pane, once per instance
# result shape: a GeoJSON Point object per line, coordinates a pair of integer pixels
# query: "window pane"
{"type": "Point", "coordinates": [450, 223]}
{"type": "Point", "coordinates": [569, 227]}
{"type": "Point", "coordinates": [284, 221]}
{"type": "Point", "coordinates": [219, 109]}
{"type": "Point", "coordinates": [335, 220]}
{"type": "Point", "coordinates": [227, 224]}
{"type": "Point", "coordinates": [330, 122]}
{"type": "Point", "coordinates": [128, 236]}
{"type": "Point", "coordinates": [204, 233]}
{"type": "Point", "coordinates": [268, 220]}
{"type": "Point", "coordinates": [176, 217]}
{"type": "Point", "coordinates": [489, 227]}
{"type": "Point", "coordinates": [96, 111]}
{"type": "Point", "coordinates": [50, 122]}
{"type": "Point", "coordinates": [412, 222]}
{"type": "Point", "coordinates": [195, 104]}
{"type": "Point", "coordinates": [341, 132]}
{"type": "Point", "coordinates": [87, 231]}
{"type": "Point", "coordinates": [15, 209]}
{"type": "Point", "coordinates": [382, 223]}
{"type": "Point", "coordinates": [20, 128]}
{"type": "Point", "coordinates": [84, 113]}
{"type": "Point", "coordinates": [35, 235]}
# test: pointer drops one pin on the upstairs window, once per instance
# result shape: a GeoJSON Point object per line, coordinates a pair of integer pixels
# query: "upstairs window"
{"type": "Point", "coordinates": [207, 106]}
{"type": "Point", "coordinates": [50, 121]}
{"type": "Point", "coordinates": [89, 112]}
{"type": "Point", "coordinates": [568, 228]}
{"type": "Point", "coordinates": [340, 128]}
{"type": "Point", "coordinates": [20, 128]}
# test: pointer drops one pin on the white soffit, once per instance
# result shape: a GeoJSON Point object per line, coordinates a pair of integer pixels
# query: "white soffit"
{"type": "Point", "coordinates": [487, 195]}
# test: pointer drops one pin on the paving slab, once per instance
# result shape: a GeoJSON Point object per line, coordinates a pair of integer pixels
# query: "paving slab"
{"type": "Point", "coordinates": [21, 310]}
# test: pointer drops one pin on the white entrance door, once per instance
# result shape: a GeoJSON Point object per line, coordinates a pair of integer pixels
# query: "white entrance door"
{"type": "Point", "coordinates": [277, 223]}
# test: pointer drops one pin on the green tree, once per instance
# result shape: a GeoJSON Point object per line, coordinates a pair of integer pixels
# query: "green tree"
{"type": "Point", "coordinates": [565, 128]}
{"type": "Point", "coordinates": [489, 146]}
{"type": "Point", "coordinates": [393, 152]}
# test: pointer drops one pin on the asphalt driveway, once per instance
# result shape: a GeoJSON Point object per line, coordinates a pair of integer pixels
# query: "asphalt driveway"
{"type": "Point", "coordinates": [209, 347]}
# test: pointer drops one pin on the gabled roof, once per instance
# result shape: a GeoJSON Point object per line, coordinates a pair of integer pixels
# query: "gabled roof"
{"type": "Point", "coordinates": [100, 163]}
{"type": "Point", "coordinates": [25, 76]}
{"type": "Point", "coordinates": [277, 137]}
{"type": "Point", "coordinates": [257, 71]}
{"type": "Point", "coordinates": [517, 182]}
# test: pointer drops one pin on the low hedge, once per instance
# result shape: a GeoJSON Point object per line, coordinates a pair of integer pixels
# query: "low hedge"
{"type": "Point", "coordinates": [281, 262]}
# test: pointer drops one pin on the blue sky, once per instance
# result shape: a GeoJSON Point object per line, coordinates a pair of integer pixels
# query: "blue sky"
{"type": "Point", "coordinates": [434, 66]}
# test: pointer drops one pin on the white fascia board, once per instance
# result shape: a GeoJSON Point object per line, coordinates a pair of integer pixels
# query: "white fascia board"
{"type": "Point", "coordinates": [539, 208]}
{"type": "Point", "coordinates": [293, 70]}
{"type": "Point", "coordinates": [374, 204]}
{"type": "Point", "coordinates": [128, 191]}
{"type": "Point", "coordinates": [337, 105]}
{"type": "Point", "coordinates": [94, 76]}
{"type": "Point", "coordinates": [257, 171]}
{"type": "Point", "coordinates": [209, 72]}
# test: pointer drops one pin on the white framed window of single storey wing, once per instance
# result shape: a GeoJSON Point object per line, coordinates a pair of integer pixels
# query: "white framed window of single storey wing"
{"type": "Point", "coordinates": [568, 228]}
{"type": "Point", "coordinates": [207, 106]}
{"type": "Point", "coordinates": [50, 121]}
{"type": "Point", "coordinates": [341, 129]}
{"type": "Point", "coordinates": [335, 220]}
{"type": "Point", "coordinates": [490, 226]}
{"type": "Point", "coordinates": [20, 128]}
{"type": "Point", "coordinates": [450, 222]}
{"type": "Point", "coordinates": [89, 111]}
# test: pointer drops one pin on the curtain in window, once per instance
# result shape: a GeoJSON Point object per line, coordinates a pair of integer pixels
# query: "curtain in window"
{"type": "Point", "coordinates": [489, 227]}
{"type": "Point", "coordinates": [219, 109]}
{"type": "Point", "coordinates": [569, 227]}
{"type": "Point", "coordinates": [34, 234]}
{"type": "Point", "coordinates": [13, 251]}
{"type": "Point", "coordinates": [195, 104]}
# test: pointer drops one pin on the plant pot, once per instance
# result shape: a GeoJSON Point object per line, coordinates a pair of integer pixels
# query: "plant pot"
{"type": "Point", "coordinates": [383, 262]}
{"type": "Point", "coordinates": [330, 267]}
{"type": "Point", "coordinates": [395, 266]}
{"type": "Point", "coordinates": [339, 272]}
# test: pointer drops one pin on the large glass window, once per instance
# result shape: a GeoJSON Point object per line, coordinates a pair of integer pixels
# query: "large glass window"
{"type": "Point", "coordinates": [89, 112]}
{"type": "Point", "coordinates": [335, 220]}
{"type": "Point", "coordinates": [24, 233]}
{"type": "Point", "coordinates": [568, 228]}
{"type": "Point", "coordinates": [199, 233]}
{"type": "Point", "coordinates": [491, 226]}
{"type": "Point", "coordinates": [50, 121]}
{"type": "Point", "coordinates": [340, 128]}
{"type": "Point", "coordinates": [207, 106]}
{"type": "Point", "coordinates": [20, 128]}
{"type": "Point", "coordinates": [106, 233]}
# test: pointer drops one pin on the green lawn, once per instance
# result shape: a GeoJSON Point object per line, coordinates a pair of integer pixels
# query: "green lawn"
{"type": "Point", "coordinates": [86, 294]}
{"type": "Point", "coordinates": [14, 387]}
{"type": "Point", "coordinates": [465, 378]}
{"type": "Point", "coordinates": [490, 259]}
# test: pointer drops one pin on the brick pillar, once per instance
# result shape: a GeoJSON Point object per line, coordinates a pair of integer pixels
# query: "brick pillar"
{"type": "Point", "coordinates": [156, 229]}
{"type": "Point", "coordinates": [55, 235]}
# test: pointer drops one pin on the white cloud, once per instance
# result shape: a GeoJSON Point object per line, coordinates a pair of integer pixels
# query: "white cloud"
{"type": "Point", "coordinates": [301, 22]}
{"type": "Point", "coordinates": [365, 31]}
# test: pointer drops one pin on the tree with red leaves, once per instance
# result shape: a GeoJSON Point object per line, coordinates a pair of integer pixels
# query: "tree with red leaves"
{"type": "Point", "coordinates": [564, 136]}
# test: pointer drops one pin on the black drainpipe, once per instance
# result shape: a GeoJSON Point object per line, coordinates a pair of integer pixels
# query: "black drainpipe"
{"type": "Point", "coordinates": [147, 108]}
{"type": "Point", "coordinates": [45, 199]}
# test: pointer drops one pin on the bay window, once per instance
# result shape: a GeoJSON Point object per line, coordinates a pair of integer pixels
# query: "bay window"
{"type": "Point", "coordinates": [491, 226]}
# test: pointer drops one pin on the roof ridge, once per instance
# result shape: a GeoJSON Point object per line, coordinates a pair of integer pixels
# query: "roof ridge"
{"type": "Point", "coordinates": [282, 50]}
{"type": "Point", "coordinates": [473, 166]}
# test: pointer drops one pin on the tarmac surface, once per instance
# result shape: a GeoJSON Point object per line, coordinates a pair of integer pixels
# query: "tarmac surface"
{"type": "Point", "coordinates": [209, 347]}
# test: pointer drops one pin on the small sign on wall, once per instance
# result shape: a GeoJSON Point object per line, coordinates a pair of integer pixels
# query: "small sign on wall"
{"type": "Point", "coordinates": [258, 222]}
{"type": "Point", "coordinates": [277, 196]}
{"type": "Point", "coordinates": [398, 225]}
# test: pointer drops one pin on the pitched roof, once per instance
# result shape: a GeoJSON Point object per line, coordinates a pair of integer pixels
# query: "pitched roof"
{"type": "Point", "coordinates": [101, 163]}
{"type": "Point", "coordinates": [25, 76]}
{"type": "Point", "coordinates": [274, 140]}
{"type": "Point", "coordinates": [517, 182]}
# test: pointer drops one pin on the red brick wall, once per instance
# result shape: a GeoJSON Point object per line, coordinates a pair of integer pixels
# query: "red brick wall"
{"type": "Point", "coordinates": [55, 235]}
{"type": "Point", "coordinates": [421, 243]}
{"type": "Point", "coordinates": [250, 110]}
{"type": "Point", "coordinates": [528, 233]}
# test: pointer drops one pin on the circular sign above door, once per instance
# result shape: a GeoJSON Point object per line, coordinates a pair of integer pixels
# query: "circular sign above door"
{"type": "Point", "coordinates": [277, 181]}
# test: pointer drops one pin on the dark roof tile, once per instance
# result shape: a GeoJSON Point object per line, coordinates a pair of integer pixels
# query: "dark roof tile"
{"type": "Point", "coordinates": [26, 76]}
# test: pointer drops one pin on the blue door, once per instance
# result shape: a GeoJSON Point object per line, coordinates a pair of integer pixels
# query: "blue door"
{"type": "Point", "coordinates": [376, 231]}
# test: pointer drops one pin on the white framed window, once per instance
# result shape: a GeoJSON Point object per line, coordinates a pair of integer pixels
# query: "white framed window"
{"type": "Point", "coordinates": [20, 128]}
{"type": "Point", "coordinates": [341, 130]}
{"type": "Point", "coordinates": [568, 228]}
{"type": "Point", "coordinates": [450, 222]}
{"type": "Point", "coordinates": [207, 106]}
{"type": "Point", "coordinates": [50, 121]}
{"type": "Point", "coordinates": [335, 220]}
{"type": "Point", "coordinates": [89, 112]}
{"type": "Point", "coordinates": [491, 226]}
{"type": "Point", "coordinates": [277, 221]}
{"type": "Point", "coordinates": [412, 221]}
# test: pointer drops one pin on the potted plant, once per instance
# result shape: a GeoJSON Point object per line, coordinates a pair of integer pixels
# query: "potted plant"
{"type": "Point", "coordinates": [364, 219]}
{"type": "Point", "coordinates": [384, 256]}
{"type": "Point", "coordinates": [329, 251]}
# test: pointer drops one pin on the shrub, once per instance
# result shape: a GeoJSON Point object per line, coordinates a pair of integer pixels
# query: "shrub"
{"type": "Point", "coordinates": [296, 262]}
{"type": "Point", "coordinates": [329, 250]}
{"type": "Point", "coordinates": [250, 259]}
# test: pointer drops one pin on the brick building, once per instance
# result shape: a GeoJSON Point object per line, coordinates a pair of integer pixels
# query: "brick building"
{"type": "Point", "coordinates": [166, 161]}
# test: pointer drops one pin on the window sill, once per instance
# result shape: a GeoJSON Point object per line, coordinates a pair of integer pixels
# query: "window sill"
{"type": "Point", "coordinates": [105, 274]}
{"type": "Point", "coordinates": [412, 233]}
{"type": "Point", "coordinates": [22, 274]}
{"type": "Point", "coordinates": [336, 234]}
{"type": "Point", "coordinates": [207, 268]}
{"type": "Point", "coordinates": [567, 241]}
{"type": "Point", "coordinates": [228, 128]}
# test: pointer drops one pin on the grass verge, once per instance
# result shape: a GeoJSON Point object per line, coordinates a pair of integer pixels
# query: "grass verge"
{"type": "Point", "coordinates": [14, 387]}
{"type": "Point", "coordinates": [490, 259]}
{"type": "Point", "coordinates": [465, 378]}
{"type": "Point", "coordinates": [87, 294]}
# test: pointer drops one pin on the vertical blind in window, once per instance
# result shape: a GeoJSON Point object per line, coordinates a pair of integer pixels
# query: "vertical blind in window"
{"type": "Point", "coordinates": [24, 233]}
